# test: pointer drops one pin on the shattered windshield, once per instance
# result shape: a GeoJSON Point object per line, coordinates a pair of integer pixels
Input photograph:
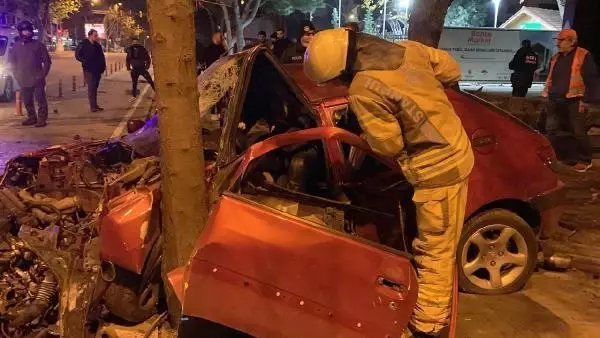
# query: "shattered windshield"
{"type": "Point", "coordinates": [216, 88]}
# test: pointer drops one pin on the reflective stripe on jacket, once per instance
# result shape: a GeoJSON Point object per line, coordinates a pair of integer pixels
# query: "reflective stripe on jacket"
{"type": "Point", "coordinates": [576, 83]}
{"type": "Point", "coordinates": [406, 114]}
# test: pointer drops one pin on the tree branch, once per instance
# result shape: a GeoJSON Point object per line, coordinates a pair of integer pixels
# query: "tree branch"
{"type": "Point", "coordinates": [246, 10]}
{"type": "Point", "coordinates": [248, 21]}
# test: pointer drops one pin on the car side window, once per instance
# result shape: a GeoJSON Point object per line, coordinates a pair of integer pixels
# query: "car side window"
{"type": "Point", "coordinates": [295, 180]}
{"type": "Point", "coordinates": [286, 179]}
{"type": "Point", "coordinates": [372, 184]}
{"type": "Point", "coordinates": [344, 118]}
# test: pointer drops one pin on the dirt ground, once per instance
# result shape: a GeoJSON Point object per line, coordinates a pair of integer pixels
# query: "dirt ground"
{"type": "Point", "coordinates": [553, 305]}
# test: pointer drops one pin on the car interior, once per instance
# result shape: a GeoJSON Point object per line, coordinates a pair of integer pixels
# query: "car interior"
{"type": "Point", "coordinates": [270, 106]}
{"type": "Point", "coordinates": [297, 180]}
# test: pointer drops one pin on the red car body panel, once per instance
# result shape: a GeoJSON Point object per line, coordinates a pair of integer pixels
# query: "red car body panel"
{"type": "Point", "coordinates": [510, 158]}
{"type": "Point", "coordinates": [293, 279]}
{"type": "Point", "coordinates": [128, 228]}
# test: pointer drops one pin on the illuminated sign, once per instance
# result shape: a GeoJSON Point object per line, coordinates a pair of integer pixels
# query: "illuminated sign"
{"type": "Point", "coordinates": [98, 27]}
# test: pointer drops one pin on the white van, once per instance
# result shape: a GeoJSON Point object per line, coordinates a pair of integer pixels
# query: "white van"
{"type": "Point", "coordinates": [7, 83]}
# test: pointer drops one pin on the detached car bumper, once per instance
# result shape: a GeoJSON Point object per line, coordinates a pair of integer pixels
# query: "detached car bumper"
{"type": "Point", "coordinates": [551, 206]}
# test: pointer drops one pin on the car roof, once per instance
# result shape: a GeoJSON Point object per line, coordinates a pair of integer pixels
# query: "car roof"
{"type": "Point", "coordinates": [315, 93]}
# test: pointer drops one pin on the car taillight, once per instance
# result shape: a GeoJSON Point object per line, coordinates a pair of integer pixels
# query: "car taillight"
{"type": "Point", "coordinates": [547, 155]}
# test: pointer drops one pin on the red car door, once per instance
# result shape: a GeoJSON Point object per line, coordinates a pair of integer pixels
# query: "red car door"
{"type": "Point", "coordinates": [275, 269]}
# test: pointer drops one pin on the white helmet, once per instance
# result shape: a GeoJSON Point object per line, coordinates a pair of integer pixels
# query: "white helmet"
{"type": "Point", "coordinates": [325, 57]}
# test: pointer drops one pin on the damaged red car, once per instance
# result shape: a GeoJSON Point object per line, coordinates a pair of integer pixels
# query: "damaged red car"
{"type": "Point", "coordinates": [309, 232]}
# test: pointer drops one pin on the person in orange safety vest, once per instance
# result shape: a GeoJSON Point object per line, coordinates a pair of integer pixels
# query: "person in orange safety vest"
{"type": "Point", "coordinates": [572, 73]}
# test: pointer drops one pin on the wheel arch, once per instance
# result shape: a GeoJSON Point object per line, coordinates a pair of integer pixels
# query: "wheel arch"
{"type": "Point", "coordinates": [522, 208]}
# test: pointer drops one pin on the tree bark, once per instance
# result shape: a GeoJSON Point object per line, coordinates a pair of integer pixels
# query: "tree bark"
{"type": "Point", "coordinates": [44, 19]}
{"type": "Point", "coordinates": [184, 198]}
{"type": "Point", "coordinates": [250, 10]}
{"type": "Point", "coordinates": [227, 25]}
{"type": "Point", "coordinates": [427, 21]}
{"type": "Point", "coordinates": [239, 28]}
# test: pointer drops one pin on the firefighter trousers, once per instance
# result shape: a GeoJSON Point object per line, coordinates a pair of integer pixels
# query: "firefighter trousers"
{"type": "Point", "coordinates": [440, 218]}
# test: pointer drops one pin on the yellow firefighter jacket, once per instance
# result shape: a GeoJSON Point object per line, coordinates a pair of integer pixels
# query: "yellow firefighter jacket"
{"type": "Point", "coordinates": [406, 114]}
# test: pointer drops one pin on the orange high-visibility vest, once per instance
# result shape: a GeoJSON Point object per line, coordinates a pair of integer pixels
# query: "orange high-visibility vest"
{"type": "Point", "coordinates": [576, 84]}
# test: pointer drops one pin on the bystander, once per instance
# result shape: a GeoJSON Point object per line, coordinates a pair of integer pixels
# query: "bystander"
{"type": "Point", "coordinates": [295, 53]}
{"type": "Point", "coordinates": [90, 54]}
{"type": "Point", "coordinates": [30, 64]}
{"type": "Point", "coordinates": [138, 62]}
{"type": "Point", "coordinates": [206, 56]}
{"type": "Point", "coordinates": [281, 43]}
{"type": "Point", "coordinates": [572, 76]}
{"type": "Point", "coordinates": [524, 64]}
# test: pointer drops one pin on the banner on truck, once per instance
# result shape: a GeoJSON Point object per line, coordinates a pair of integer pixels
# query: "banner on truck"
{"type": "Point", "coordinates": [484, 54]}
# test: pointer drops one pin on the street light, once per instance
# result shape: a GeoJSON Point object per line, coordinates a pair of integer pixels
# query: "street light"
{"type": "Point", "coordinates": [496, 7]}
{"type": "Point", "coordinates": [339, 13]}
{"type": "Point", "coordinates": [384, 17]}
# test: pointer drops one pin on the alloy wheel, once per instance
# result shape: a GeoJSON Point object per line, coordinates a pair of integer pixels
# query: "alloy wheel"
{"type": "Point", "coordinates": [494, 256]}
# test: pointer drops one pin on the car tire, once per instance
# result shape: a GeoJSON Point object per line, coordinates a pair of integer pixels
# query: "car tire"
{"type": "Point", "coordinates": [497, 253]}
{"type": "Point", "coordinates": [8, 93]}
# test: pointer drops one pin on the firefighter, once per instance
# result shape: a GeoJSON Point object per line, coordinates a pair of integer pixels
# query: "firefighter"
{"type": "Point", "coordinates": [524, 64]}
{"type": "Point", "coordinates": [397, 94]}
{"type": "Point", "coordinates": [571, 78]}
{"type": "Point", "coordinates": [31, 63]}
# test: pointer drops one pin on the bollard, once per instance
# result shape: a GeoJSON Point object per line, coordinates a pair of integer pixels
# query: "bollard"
{"type": "Point", "coordinates": [74, 83]}
{"type": "Point", "coordinates": [111, 68]}
{"type": "Point", "coordinates": [60, 92]}
{"type": "Point", "coordinates": [106, 74]}
{"type": "Point", "coordinates": [19, 103]}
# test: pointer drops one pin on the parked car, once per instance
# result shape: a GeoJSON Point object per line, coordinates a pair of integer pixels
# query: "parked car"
{"type": "Point", "coordinates": [309, 229]}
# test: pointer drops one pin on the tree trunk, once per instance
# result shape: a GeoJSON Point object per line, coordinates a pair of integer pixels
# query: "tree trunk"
{"type": "Point", "coordinates": [427, 21]}
{"type": "Point", "coordinates": [184, 200]}
{"type": "Point", "coordinates": [239, 28]}
{"type": "Point", "coordinates": [44, 19]}
{"type": "Point", "coordinates": [227, 26]}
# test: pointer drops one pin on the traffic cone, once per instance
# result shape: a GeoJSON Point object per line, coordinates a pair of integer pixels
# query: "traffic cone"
{"type": "Point", "coordinates": [19, 104]}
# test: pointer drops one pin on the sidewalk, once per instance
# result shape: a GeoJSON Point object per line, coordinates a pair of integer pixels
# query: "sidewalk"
{"type": "Point", "coordinates": [70, 118]}
{"type": "Point", "coordinates": [579, 232]}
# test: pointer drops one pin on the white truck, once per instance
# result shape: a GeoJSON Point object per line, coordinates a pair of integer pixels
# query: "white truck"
{"type": "Point", "coordinates": [484, 53]}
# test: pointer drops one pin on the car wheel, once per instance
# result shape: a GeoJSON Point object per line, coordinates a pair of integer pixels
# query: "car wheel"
{"type": "Point", "coordinates": [497, 253]}
{"type": "Point", "coordinates": [8, 95]}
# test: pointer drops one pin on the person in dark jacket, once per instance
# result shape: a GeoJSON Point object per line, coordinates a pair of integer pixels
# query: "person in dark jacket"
{"type": "Point", "coordinates": [524, 64]}
{"type": "Point", "coordinates": [281, 43]}
{"type": "Point", "coordinates": [295, 53]}
{"type": "Point", "coordinates": [208, 55]}
{"type": "Point", "coordinates": [31, 63]}
{"type": "Point", "coordinates": [90, 54]}
{"type": "Point", "coordinates": [262, 40]}
{"type": "Point", "coordinates": [138, 62]}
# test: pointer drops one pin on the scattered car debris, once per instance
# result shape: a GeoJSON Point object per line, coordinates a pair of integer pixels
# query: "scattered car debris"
{"type": "Point", "coordinates": [51, 204]}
